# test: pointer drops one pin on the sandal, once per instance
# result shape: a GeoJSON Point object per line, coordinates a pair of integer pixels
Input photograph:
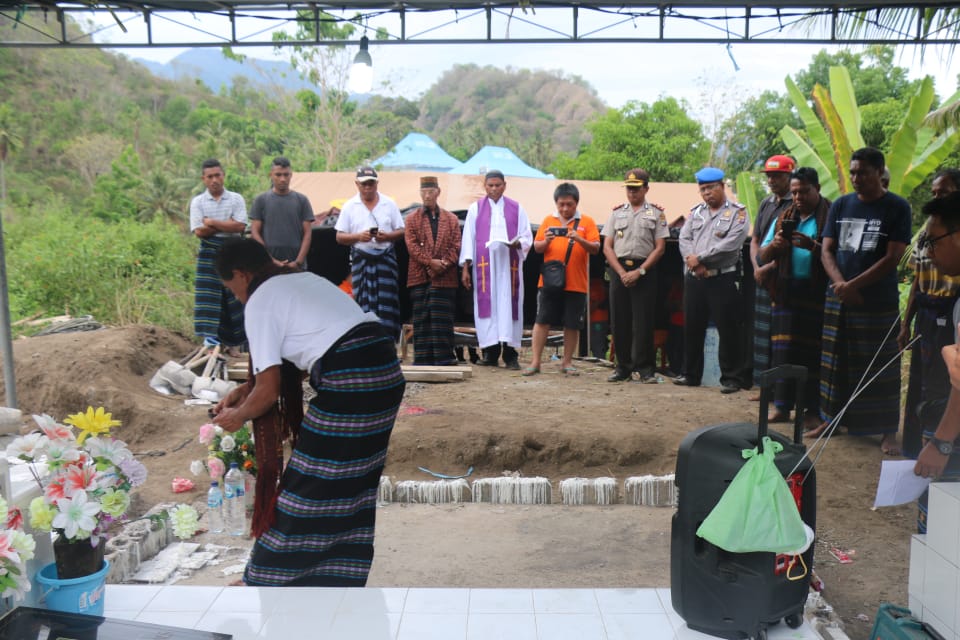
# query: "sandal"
{"type": "Point", "coordinates": [569, 371]}
{"type": "Point", "coordinates": [530, 371]}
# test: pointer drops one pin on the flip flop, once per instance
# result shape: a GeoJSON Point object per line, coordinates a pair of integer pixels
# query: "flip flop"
{"type": "Point", "coordinates": [530, 371]}
{"type": "Point", "coordinates": [569, 371]}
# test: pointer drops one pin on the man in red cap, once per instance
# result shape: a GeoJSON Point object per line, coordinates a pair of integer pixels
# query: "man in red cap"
{"type": "Point", "coordinates": [778, 170]}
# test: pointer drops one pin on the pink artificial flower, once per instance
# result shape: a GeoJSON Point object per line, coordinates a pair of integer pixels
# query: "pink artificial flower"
{"type": "Point", "coordinates": [216, 467]}
{"type": "Point", "coordinates": [14, 518]}
{"type": "Point", "coordinates": [180, 485]}
{"type": "Point", "coordinates": [207, 433]}
{"type": "Point", "coordinates": [54, 491]}
{"type": "Point", "coordinates": [79, 479]}
{"type": "Point", "coordinates": [6, 547]}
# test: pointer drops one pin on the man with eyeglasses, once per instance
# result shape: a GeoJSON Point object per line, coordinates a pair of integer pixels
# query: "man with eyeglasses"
{"type": "Point", "coordinates": [865, 235]}
{"type": "Point", "coordinates": [711, 242]}
{"type": "Point", "coordinates": [634, 240]}
{"type": "Point", "coordinates": [929, 306]}
{"type": "Point", "coordinates": [940, 456]}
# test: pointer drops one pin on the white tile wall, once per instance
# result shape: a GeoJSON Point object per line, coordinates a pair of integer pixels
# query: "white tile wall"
{"type": "Point", "coordinates": [250, 613]}
{"type": "Point", "coordinates": [943, 520]}
{"type": "Point", "coordinates": [934, 585]}
{"type": "Point", "coordinates": [918, 560]}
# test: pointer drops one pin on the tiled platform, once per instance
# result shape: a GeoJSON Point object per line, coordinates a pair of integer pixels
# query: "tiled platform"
{"type": "Point", "coordinates": [414, 613]}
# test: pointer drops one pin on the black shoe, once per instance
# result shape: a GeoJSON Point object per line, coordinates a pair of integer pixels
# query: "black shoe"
{"type": "Point", "coordinates": [729, 388]}
{"type": "Point", "coordinates": [483, 362]}
{"type": "Point", "coordinates": [512, 364]}
{"type": "Point", "coordinates": [684, 381]}
{"type": "Point", "coordinates": [619, 376]}
{"type": "Point", "coordinates": [648, 379]}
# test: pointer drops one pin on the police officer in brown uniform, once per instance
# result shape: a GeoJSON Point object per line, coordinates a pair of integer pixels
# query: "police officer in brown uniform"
{"type": "Point", "coordinates": [711, 242]}
{"type": "Point", "coordinates": [634, 240]}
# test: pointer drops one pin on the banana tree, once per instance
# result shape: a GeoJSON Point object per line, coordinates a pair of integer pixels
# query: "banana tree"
{"type": "Point", "coordinates": [832, 132]}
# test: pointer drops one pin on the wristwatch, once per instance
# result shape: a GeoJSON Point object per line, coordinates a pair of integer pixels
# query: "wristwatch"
{"type": "Point", "coordinates": [945, 447]}
{"type": "Point", "coordinates": [642, 271]}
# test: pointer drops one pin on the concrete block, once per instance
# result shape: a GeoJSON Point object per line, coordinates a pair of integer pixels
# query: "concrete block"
{"type": "Point", "coordinates": [943, 520]}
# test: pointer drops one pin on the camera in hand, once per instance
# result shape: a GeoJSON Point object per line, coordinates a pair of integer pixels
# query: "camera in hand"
{"type": "Point", "coordinates": [559, 231]}
{"type": "Point", "coordinates": [373, 231]}
{"type": "Point", "coordinates": [787, 227]}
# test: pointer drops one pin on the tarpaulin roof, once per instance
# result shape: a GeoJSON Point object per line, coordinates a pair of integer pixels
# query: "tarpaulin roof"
{"type": "Point", "coordinates": [417, 152]}
{"type": "Point", "coordinates": [597, 198]}
{"type": "Point", "coordinates": [501, 158]}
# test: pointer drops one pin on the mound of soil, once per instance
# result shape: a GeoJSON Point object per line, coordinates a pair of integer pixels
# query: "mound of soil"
{"type": "Point", "coordinates": [549, 425]}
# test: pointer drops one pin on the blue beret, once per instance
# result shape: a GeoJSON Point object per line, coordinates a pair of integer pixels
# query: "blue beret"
{"type": "Point", "coordinates": [708, 174]}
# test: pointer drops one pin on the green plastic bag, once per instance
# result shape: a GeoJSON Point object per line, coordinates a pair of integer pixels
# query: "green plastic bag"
{"type": "Point", "coordinates": [757, 512]}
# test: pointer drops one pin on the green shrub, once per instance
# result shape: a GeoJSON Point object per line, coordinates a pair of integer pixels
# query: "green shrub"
{"type": "Point", "coordinates": [119, 272]}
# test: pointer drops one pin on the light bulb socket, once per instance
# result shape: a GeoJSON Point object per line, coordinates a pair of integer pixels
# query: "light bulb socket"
{"type": "Point", "coordinates": [363, 56]}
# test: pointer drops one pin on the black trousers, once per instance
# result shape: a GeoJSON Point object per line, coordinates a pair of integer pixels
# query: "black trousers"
{"type": "Point", "coordinates": [633, 319]}
{"type": "Point", "coordinates": [718, 299]}
{"type": "Point", "coordinates": [492, 353]}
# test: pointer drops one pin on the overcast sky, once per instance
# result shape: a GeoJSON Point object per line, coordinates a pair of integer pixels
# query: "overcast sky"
{"type": "Point", "coordinates": [618, 72]}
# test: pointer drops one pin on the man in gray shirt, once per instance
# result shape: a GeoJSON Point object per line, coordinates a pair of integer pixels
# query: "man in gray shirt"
{"type": "Point", "coordinates": [281, 219]}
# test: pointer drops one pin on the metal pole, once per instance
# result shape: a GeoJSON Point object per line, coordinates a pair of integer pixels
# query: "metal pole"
{"type": "Point", "coordinates": [6, 343]}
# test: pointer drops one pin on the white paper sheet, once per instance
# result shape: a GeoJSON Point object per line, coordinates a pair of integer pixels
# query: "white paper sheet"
{"type": "Point", "coordinates": [898, 484]}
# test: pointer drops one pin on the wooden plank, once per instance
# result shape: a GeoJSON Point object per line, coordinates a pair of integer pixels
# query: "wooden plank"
{"type": "Point", "coordinates": [413, 375]}
{"type": "Point", "coordinates": [466, 371]}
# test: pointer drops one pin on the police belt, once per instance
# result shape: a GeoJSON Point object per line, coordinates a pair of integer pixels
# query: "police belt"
{"type": "Point", "coordinates": [709, 273]}
{"type": "Point", "coordinates": [631, 262]}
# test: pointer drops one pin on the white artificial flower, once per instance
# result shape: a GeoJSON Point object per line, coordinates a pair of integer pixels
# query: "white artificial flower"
{"type": "Point", "coordinates": [218, 429]}
{"type": "Point", "coordinates": [29, 446]}
{"type": "Point", "coordinates": [228, 444]}
{"type": "Point", "coordinates": [185, 521]}
{"type": "Point", "coordinates": [196, 467]}
{"type": "Point", "coordinates": [111, 449]}
{"type": "Point", "coordinates": [76, 515]}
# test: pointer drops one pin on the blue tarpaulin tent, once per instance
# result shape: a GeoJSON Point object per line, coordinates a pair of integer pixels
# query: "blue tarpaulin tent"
{"type": "Point", "coordinates": [417, 152]}
{"type": "Point", "coordinates": [506, 161]}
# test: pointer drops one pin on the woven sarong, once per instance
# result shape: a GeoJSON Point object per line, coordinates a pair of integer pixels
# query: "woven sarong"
{"type": "Point", "coordinates": [326, 510]}
{"type": "Point", "coordinates": [433, 310]}
{"type": "Point", "coordinates": [929, 380]}
{"type": "Point", "coordinates": [375, 286]}
{"type": "Point", "coordinates": [796, 330]}
{"type": "Point", "coordinates": [851, 338]}
{"type": "Point", "coordinates": [217, 313]}
{"type": "Point", "coordinates": [761, 329]}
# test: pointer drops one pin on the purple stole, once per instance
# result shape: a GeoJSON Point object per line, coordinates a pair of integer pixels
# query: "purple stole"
{"type": "Point", "coordinates": [481, 265]}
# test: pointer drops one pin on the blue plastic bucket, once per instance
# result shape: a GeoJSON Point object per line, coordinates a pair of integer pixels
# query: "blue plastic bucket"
{"type": "Point", "coordinates": [75, 595]}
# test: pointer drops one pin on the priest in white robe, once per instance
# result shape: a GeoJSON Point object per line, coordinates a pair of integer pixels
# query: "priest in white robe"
{"type": "Point", "coordinates": [496, 240]}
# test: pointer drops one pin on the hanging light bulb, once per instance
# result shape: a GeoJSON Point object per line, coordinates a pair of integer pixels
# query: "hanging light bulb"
{"type": "Point", "coordinates": [361, 72]}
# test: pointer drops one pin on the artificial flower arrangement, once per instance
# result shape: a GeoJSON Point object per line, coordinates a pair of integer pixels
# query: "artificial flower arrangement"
{"type": "Point", "coordinates": [225, 448]}
{"type": "Point", "coordinates": [16, 548]}
{"type": "Point", "coordinates": [86, 478]}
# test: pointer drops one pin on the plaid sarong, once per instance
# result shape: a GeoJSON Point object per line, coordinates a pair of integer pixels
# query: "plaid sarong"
{"type": "Point", "coordinates": [325, 514]}
{"type": "Point", "coordinates": [796, 330]}
{"type": "Point", "coordinates": [851, 338]}
{"type": "Point", "coordinates": [217, 314]}
{"type": "Point", "coordinates": [375, 286]}
{"type": "Point", "coordinates": [433, 309]}
{"type": "Point", "coordinates": [762, 324]}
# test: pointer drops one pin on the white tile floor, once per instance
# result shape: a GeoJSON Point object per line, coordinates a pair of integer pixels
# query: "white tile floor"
{"type": "Point", "coordinates": [414, 614]}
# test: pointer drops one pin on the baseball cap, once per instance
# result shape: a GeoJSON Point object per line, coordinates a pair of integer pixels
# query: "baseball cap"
{"type": "Point", "coordinates": [366, 174]}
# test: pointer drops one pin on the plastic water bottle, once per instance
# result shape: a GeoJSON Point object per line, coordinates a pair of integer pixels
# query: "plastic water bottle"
{"type": "Point", "coordinates": [235, 501]}
{"type": "Point", "coordinates": [215, 508]}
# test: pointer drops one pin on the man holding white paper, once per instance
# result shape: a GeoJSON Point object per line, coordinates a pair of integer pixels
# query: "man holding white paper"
{"type": "Point", "coordinates": [496, 240]}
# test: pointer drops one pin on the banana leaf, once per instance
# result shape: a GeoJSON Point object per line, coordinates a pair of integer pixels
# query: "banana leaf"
{"type": "Point", "coordinates": [842, 150]}
{"type": "Point", "coordinates": [904, 142]}
{"type": "Point", "coordinates": [845, 102]}
{"type": "Point", "coordinates": [929, 159]}
{"type": "Point", "coordinates": [814, 128]}
{"type": "Point", "coordinates": [747, 194]}
{"type": "Point", "coordinates": [807, 157]}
